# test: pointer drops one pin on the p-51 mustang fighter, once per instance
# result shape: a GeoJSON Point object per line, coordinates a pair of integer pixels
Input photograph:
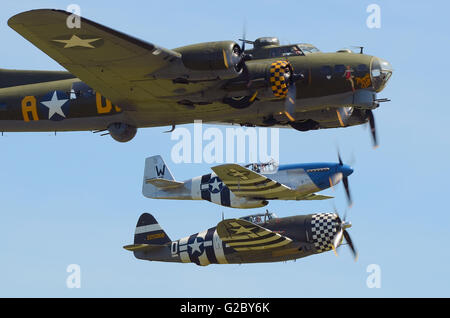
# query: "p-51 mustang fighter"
{"type": "Point", "coordinates": [117, 83]}
{"type": "Point", "coordinates": [235, 186]}
{"type": "Point", "coordinates": [254, 239]}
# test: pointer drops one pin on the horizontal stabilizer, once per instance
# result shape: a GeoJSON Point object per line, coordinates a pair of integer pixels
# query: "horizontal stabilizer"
{"type": "Point", "coordinates": [164, 183]}
{"type": "Point", "coordinates": [142, 247]}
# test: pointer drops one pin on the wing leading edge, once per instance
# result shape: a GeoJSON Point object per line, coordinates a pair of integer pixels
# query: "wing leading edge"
{"type": "Point", "coordinates": [109, 61]}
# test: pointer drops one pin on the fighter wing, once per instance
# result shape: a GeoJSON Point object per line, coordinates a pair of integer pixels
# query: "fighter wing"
{"type": "Point", "coordinates": [246, 183]}
{"type": "Point", "coordinates": [111, 62]}
{"type": "Point", "coordinates": [313, 196]}
{"type": "Point", "coordinates": [242, 235]}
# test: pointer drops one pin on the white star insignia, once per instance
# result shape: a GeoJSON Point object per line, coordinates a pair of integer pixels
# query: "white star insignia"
{"type": "Point", "coordinates": [196, 246]}
{"type": "Point", "coordinates": [54, 106]}
{"type": "Point", "coordinates": [216, 185]}
{"type": "Point", "coordinates": [75, 41]}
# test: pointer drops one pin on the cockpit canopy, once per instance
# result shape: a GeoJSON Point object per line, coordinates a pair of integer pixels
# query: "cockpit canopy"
{"type": "Point", "coordinates": [263, 168]}
{"type": "Point", "coordinates": [269, 47]}
{"type": "Point", "coordinates": [260, 218]}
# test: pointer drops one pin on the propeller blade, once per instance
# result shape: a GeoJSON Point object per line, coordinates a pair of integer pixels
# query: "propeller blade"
{"type": "Point", "coordinates": [338, 239]}
{"type": "Point", "coordinates": [334, 249]}
{"type": "Point", "coordinates": [372, 128]}
{"type": "Point", "coordinates": [339, 158]}
{"type": "Point", "coordinates": [289, 103]}
{"type": "Point", "coordinates": [350, 244]}
{"type": "Point", "coordinates": [347, 191]}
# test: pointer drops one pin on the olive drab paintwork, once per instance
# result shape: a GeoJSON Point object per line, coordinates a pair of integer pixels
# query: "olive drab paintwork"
{"type": "Point", "coordinates": [119, 83]}
{"type": "Point", "coordinates": [258, 238]}
{"type": "Point", "coordinates": [27, 103]}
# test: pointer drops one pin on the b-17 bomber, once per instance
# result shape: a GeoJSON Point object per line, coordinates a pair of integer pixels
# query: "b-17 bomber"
{"type": "Point", "coordinates": [116, 83]}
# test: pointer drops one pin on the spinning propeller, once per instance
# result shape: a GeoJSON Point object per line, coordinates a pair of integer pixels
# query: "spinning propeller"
{"type": "Point", "coordinates": [289, 78]}
{"type": "Point", "coordinates": [345, 175]}
{"type": "Point", "coordinates": [244, 58]}
{"type": "Point", "coordinates": [289, 103]}
{"type": "Point", "coordinates": [342, 233]}
{"type": "Point", "coordinates": [372, 128]}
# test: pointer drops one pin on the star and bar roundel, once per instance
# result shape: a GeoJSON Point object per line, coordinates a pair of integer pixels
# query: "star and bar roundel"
{"type": "Point", "coordinates": [214, 190]}
{"type": "Point", "coordinates": [55, 105]}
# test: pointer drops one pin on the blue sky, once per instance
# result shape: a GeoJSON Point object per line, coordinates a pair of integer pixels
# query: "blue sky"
{"type": "Point", "coordinates": [75, 198]}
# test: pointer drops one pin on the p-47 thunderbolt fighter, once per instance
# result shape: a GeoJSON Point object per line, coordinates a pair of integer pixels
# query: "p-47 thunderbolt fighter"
{"type": "Point", "coordinates": [253, 239]}
{"type": "Point", "coordinates": [252, 186]}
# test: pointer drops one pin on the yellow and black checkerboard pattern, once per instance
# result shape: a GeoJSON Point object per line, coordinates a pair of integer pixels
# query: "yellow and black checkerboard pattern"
{"type": "Point", "coordinates": [277, 79]}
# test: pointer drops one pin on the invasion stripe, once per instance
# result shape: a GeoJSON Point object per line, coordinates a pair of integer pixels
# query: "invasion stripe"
{"type": "Point", "coordinates": [280, 242]}
{"type": "Point", "coordinates": [249, 181]}
{"type": "Point", "coordinates": [184, 256]}
{"type": "Point", "coordinates": [253, 186]}
{"type": "Point", "coordinates": [225, 196]}
{"type": "Point", "coordinates": [256, 183]}
{"type": "Point", "coordinates": [273, 186]}
{"type": "Point", "coordinates": [219, 247]}
{"type": "Point", "coordinates": [255, 242]}
{"type": "Point", "coordinates": [242, 238]}
{"type": "Point", "coordinates": [206, 195]}
{"type": "Point", "coordinates": [191, 257]}
{"type": "Point", "coordinates": [210, 249]}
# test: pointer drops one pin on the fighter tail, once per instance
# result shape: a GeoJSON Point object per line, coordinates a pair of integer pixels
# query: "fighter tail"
{"type": "Point", "coordinates": [149, 237]}
{"type": "Point", "coordinates": [148, 231]}
{"type": "Point", "coordinates": [157, 176]}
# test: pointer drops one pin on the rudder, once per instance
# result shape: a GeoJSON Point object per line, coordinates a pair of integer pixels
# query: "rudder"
{"type": "Point", "coordinates": [156, 173]}
{"type": "Point", "coordinates": [148, 231]}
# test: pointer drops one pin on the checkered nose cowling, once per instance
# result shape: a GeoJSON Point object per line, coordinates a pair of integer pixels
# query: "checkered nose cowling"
{"type": "Point", "coordinates": [324, 227]}
{"type": "Point", "coordinates": [278, 81]}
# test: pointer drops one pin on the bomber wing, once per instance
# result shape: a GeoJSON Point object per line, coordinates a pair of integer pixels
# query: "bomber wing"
{"type": "Point", "coordinates": [113, 63]}
{"type": "Point", "coordinates": [242, 236]}
{"type": "Point", "coordinates": [247, 183]}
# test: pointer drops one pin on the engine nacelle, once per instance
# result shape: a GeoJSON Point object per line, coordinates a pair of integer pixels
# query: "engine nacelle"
{"type": "Point", "coordinates": [122, 132]}
{"type": "Point", "coordinates": [222, 59]}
